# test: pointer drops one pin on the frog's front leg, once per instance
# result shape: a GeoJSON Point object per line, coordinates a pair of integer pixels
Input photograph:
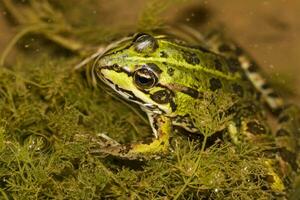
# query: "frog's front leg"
{"type": "Point", "coordinates": [162, 128]}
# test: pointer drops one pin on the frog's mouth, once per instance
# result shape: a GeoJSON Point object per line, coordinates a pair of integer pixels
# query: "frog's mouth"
{"type": "Point", "coordinates": [125, 93]}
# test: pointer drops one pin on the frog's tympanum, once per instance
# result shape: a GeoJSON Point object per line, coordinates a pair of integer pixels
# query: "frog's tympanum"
{"type": "Point", "coordinates": [167, 78]}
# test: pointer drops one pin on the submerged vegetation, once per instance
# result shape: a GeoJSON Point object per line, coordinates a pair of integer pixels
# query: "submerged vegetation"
{"type": "Point", "coordinates": [50, 119]}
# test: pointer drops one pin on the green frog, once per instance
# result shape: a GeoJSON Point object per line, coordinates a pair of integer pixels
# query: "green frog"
{"type": "Point", "coordinates": [168, 78]}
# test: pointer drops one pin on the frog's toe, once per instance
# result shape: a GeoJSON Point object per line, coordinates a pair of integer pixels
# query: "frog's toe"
{"type": "Point", "coordinates": [115, 150]}
{"type": "Point", "coordinates": [108, 140]}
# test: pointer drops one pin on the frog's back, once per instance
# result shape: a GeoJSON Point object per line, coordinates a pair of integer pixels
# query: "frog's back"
{"type": "Point", "coordinates": [198, 71]}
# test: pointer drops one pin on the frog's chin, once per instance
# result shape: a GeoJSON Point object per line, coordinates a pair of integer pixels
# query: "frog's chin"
{"type": "Point", "coordinates": [152, 108]}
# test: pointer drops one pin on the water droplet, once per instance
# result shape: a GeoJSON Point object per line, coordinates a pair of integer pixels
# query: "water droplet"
{"type": "Point", "coordinates": [38, 143]}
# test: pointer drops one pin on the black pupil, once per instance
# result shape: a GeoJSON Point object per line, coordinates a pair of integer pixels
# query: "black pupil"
{"type": "Point", "coordinates": [144, 80]}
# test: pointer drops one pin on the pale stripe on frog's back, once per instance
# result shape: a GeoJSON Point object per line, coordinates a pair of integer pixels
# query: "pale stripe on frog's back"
{"type": "Point", "coordinates": [232, 51]}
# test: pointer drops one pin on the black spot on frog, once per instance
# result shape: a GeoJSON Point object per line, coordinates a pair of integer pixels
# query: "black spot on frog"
{"type": "Point", "coordinates": [215, 84]}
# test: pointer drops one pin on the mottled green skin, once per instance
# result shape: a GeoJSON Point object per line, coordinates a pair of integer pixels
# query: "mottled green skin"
{"type": "Point", "coordinates": [182, 66]}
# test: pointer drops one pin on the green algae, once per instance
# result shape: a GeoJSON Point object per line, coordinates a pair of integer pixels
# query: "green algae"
{"type": "Point", "coordinates": [49, 117]}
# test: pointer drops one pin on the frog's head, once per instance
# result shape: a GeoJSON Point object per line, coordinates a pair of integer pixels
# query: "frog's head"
{"type": "Point", "coordinates": [133, 68]}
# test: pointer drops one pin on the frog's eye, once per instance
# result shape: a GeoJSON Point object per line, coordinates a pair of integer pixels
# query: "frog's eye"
{"type": "Point", "coordinates": [144, 43]}
{"type": "Point", "coordinates": [145, 78]}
